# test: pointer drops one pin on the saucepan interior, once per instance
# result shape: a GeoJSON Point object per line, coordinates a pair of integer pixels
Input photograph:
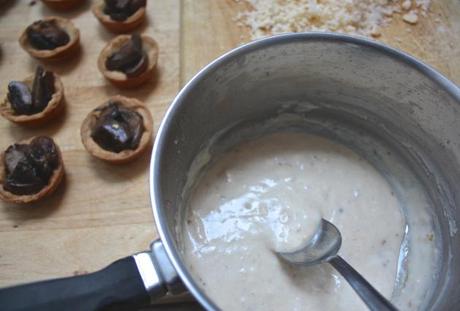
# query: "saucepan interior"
{"type": "Point", "coordinates": [360, 93]}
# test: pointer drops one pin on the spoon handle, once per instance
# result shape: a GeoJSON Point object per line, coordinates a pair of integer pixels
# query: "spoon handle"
{"type": "Point", "coordinates": [371, 297]}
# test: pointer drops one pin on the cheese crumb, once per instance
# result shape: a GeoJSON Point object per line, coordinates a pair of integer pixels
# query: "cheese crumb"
{"type": "Point", "coordinates": [410, 17]}
{"type": "Point", "coordinates": [406, 5]}
{"type": "Point", "coordinates": [375, 32]}
{"type": "Point", "coordinates": [362, 17]}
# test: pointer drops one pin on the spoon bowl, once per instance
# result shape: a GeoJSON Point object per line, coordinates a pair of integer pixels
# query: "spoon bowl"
{"type": "Point", "coordinates": [324, 244]}
{"type": "Point", "coordinates": [323, 247]}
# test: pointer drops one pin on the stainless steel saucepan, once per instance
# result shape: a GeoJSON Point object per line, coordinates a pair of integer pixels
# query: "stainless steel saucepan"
{"type": "Point", "coordinates": [320, 77]}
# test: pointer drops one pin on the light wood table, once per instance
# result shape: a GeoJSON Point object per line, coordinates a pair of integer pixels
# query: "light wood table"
{"type": "Point", "coordinates": [102, 212]}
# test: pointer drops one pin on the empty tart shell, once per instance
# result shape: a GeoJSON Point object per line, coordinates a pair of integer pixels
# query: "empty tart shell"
{"type": "Point", "coordinates": [127, 25]}
{"type": "Point", "coordinates": [53, 183]}
{"type": "Point", "coordinates": [61, 51]}
{"type": "Point", "coordinates": [124, 155]}
{"type": "Point", "coordinates": [62, 4]}
{"type": "Point", "coordinates": [120, 79]}
{"type": "Point", "coordinates": [52, 109]}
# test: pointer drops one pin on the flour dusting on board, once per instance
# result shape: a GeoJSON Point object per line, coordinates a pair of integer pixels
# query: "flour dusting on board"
{"type": "Point", "coordinates": [363, 17]}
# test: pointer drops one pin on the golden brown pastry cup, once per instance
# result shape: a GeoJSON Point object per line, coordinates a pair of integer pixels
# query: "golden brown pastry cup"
{"type": "Point", "coordinates": [126, 155]}
{"type": "Point", "coordinates": [53, 183]}
{"type": "Point", "coordinates": [62, 4]}
{"type": "Point", "coordinates": [60, 52]}
{"type": "Point", "coordinates": [52, 109]}
{"type": "Point", "coordinates": [119, 78]}
{"type": "Point", "coordinates": [127, 25]}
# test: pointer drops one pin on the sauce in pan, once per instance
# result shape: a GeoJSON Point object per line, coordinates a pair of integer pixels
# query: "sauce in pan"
{"type": "Point", "coordinates": [270, 194]}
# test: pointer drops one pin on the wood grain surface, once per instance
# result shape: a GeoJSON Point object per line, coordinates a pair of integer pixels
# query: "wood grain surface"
{"type": "Point", "coordinates": [209, 29]}
{"type": "Point", "coordinates": [102, 212]}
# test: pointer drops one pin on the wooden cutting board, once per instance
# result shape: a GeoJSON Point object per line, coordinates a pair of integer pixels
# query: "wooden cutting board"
{"type": "Point", "coordinates": [209, 29]}
{"type": "Point", "coordinates": [102, 212]}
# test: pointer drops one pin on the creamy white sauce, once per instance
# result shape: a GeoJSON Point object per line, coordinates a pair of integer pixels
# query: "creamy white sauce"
{"type": "Point", "coordinates": [270, 194]}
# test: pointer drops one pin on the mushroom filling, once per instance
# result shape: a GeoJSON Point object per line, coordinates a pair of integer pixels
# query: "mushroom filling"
{"type": "Point", "coordinates": [129, 59]}
{"type": "Point", "coordinates": [117, 128]}
{"type": "Point", "coordinates": [46, 35]}
{"type": "Point", "coordinates": [23, 101]}
{"type": "Point", "coordinates": [29, 167]}
{"type": "Point", "coordinates": [120, 10]}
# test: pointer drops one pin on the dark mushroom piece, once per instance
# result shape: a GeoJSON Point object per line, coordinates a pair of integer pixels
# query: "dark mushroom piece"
{"type": "Point", "coordinates": [129, 59]}
{"type": "Point", "coordinates": [42, 88]}
{"type": "Point", "coordinates": [26, 102]}
{"type": "Point", "coordinates": [46, 35]}
{"type": "Point", "coordinates": [117, 128]}
{"type": "Point", "coordinates": [29, 167]}
{"type": "Point", "coordinates": [120, 10]}
{"type": "Point", "coordinates": [20, 97]}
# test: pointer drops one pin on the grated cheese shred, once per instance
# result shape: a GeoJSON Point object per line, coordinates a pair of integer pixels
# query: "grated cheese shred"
{"type": "Point", "coordinates": [363, 17]}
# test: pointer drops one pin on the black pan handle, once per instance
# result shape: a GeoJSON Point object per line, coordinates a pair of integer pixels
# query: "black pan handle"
{"type": "Point", "coordinates": [132, 281]}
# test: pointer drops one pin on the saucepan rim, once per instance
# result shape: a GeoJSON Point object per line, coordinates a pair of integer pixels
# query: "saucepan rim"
{"type": "Point", "coordinates": [168, 119]}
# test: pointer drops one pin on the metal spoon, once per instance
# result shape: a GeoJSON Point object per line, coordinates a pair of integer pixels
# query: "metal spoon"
{"type": "Point", "coordinates": [323, 247]}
